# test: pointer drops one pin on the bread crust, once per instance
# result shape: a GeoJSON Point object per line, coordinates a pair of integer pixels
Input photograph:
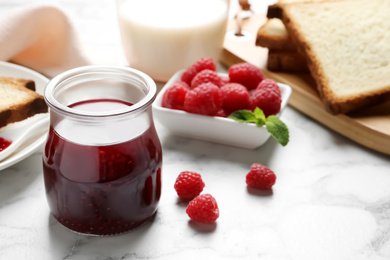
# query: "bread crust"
{"type": "Point", "coordinates": [274, 11]}
{"type": "Point", "coordinates": [13, 108]}
{"type": "Point", "coordinates": [273, 41]}
{"type": "Point", "coordinates": [282, 61]}
{"type": "Point", "coordinates": [282, 55]}
{"type": "Point", "coordinates": [332, 103]}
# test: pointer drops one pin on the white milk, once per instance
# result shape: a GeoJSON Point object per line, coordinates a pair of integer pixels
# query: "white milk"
{"type": "Point", "coordinates": [160, 37]}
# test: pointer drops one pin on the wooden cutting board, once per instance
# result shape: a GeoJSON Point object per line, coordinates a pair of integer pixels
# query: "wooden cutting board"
{"type": "Point", "coordinates": [370, 128]}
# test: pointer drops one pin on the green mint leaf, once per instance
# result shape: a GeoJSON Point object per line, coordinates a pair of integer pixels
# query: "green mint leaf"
{"type": "Point", "coordinates": [274, 125]}
{"type": "Point", "coordinates": [260, 117]}
{"type": "Point", "coordinates": [277, 129]}
{"type": "Point", "coordinates": [259, 114]}
{"type": "Point", "coordinates": [243, 116]}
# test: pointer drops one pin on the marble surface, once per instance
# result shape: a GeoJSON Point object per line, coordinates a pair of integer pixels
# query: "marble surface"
{"type": "Point", "coordinates": [331, 199]}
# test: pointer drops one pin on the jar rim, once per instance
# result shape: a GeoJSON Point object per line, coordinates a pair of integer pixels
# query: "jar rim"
{"type": "Point", "coordinates": [142, 104]}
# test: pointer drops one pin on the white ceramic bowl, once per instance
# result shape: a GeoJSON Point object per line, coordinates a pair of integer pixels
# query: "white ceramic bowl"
{"type": "Point", "coordinates": [211, 128]}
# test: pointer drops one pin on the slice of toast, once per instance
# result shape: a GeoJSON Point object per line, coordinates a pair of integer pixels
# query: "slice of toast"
{"type": "Point", "coordinates": [273, 35]}
{"type": "Point", "coordinates": [275, 10]}
{"type": "Point", "coordinates": [282, 54]}
{"type": "Point", "coordinates": [347, 49]}
{"type": "Point", "coordinates": [279, 61]}
{"type": "Point", "coordinates": [18, 100]}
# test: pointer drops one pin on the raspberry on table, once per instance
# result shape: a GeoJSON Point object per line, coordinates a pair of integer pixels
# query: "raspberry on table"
{"type": "Point", "coordinates": [189, 184]}
{"type": "Point", "coordinates": [201, 64]}
{"type": "Point", "coordinates": [269, 84]}
{"type": "Point", "coordinates": [260, 177]}
{"type": "Point", "coordinates": [206, 76]}
{"type": "Point", "coordinates": [206, 99]}
{"type": "Point", "coordinates": [203, 208]}
{"type": "Point", "coordinates": [174, 96]}
{"type": "Point", "coordinates": [268, 100]}
{"type": "Point", "coordinates": [246, 74]}
{"type": "Point", "coordinates": [235, 97]}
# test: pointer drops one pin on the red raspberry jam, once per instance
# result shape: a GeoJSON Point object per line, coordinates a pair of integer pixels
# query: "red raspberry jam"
{"type": "Point", "coordinates": [103, 190]}
{"type": "Point", "coordinates": [4, 143]}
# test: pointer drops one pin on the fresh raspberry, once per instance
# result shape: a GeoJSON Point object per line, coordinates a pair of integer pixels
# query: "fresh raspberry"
{"type": "Point", "coordinates": [198, 66]}
{"type": "Point", "coordinates": [260, 177]}
{"type": "Point", "coordinates": [206, 99]}
{"type": "Point", "coordinates": [269, 84]}
{"type": "Point", "coordinates": [206, 76]}
{"type": "Point", "coordinates": [235, 97]}
{"type": "Point", "coordinates": [203, 208]}
{"type": "Point", "coordinates": [221, 113]}
{"type": "Point", "coordinates": [174, 96]}
{"type": "Point", "coordinates": [224, 81]}
{"type": "Point", "coordinates": [246, 74]}
{"type": "Point", "coordinates": [269, 101]}
{"type": "Point", "coordinates": [188, 185]}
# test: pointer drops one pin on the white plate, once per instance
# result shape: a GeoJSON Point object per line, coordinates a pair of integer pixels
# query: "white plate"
{"type": "Point", "coordinates": [213, 129]}
{"type": "Point", "coordinates": [31, 146]}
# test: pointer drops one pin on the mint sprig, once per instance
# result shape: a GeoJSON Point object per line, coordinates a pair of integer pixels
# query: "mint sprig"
{"type": "Point", "coordinates": [274, 125]}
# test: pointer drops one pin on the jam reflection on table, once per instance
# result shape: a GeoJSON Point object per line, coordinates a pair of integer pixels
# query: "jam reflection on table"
{"type": "Point", "coordinates": [4, 143]}
{"type": "Point", "coordinates": [103, 190]}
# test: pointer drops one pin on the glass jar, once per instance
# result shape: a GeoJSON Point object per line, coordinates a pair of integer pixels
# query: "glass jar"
{"type": "Point", "coordinates": [102, 159]}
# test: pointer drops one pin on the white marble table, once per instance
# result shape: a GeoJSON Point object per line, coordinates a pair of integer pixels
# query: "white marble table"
{"type": "Point", "coordinates": [331, 200]}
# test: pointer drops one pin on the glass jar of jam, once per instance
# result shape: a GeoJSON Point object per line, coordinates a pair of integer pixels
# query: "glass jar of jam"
{"type": "Point", "coordinates": [102, 159]}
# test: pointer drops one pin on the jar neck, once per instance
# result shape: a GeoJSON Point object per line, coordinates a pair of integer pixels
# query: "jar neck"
{"type": "Point", "coordinates": [98, 82]}
{"type": "Point", "coordinates": [96, 105]}
{"type": "Point", "coordinates": [111, 130]}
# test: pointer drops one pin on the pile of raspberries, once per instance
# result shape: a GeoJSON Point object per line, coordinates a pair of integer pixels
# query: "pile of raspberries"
{"type": "Point", "coordinates": [201, 90]}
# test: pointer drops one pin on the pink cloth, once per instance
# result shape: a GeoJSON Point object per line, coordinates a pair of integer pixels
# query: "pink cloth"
{"type": "Point", "coordinates": [41, 38]}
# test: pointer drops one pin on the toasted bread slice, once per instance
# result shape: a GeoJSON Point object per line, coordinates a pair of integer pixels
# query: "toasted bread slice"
{"type": "Point", "coordinates": [347, 49]}
{"type": "Point", "coordinates": [280, 61]}
{"type": "Point", "coordinates": [18, 100]}
{"type": "Point", "coordinates": [273, 35]}
{"type": "Point", "coordinates": [275, 10]}
{"type": "Point", "coordinates": [282, 55]}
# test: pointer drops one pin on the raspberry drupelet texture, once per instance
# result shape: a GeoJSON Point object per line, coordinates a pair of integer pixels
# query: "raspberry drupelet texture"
{"type": "Point", "coordinates": [246, 74]}
{"type": "Point", "coordinates": [221, 113]}
{"type": "Point", "coordinates": [224, 80]}
{"type": "Point", "coordinates": [270, 84]}
{"type": "Point", "coordinates": [206, 99]}
{"type": "Point", "coordinates": [235, 97]}
{"type": "Point", "coordinates": [203, 208]}
{"type": "Point", "coordinates": [198, 66]}
{"type": "Point", "coordinates": [174, 96]}
{"type": "Point", "coordinates": [268, 100]}
{"type": "Point", "coordinates": [206, 76]}
{"type": "Point", "coordinates": [189, 184]}
{"type": "Point", "coordinates": [260, 177]}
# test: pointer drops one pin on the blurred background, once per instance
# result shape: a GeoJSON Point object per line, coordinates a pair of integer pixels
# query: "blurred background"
{"type": "Point", "coordinates": [97, 27]}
